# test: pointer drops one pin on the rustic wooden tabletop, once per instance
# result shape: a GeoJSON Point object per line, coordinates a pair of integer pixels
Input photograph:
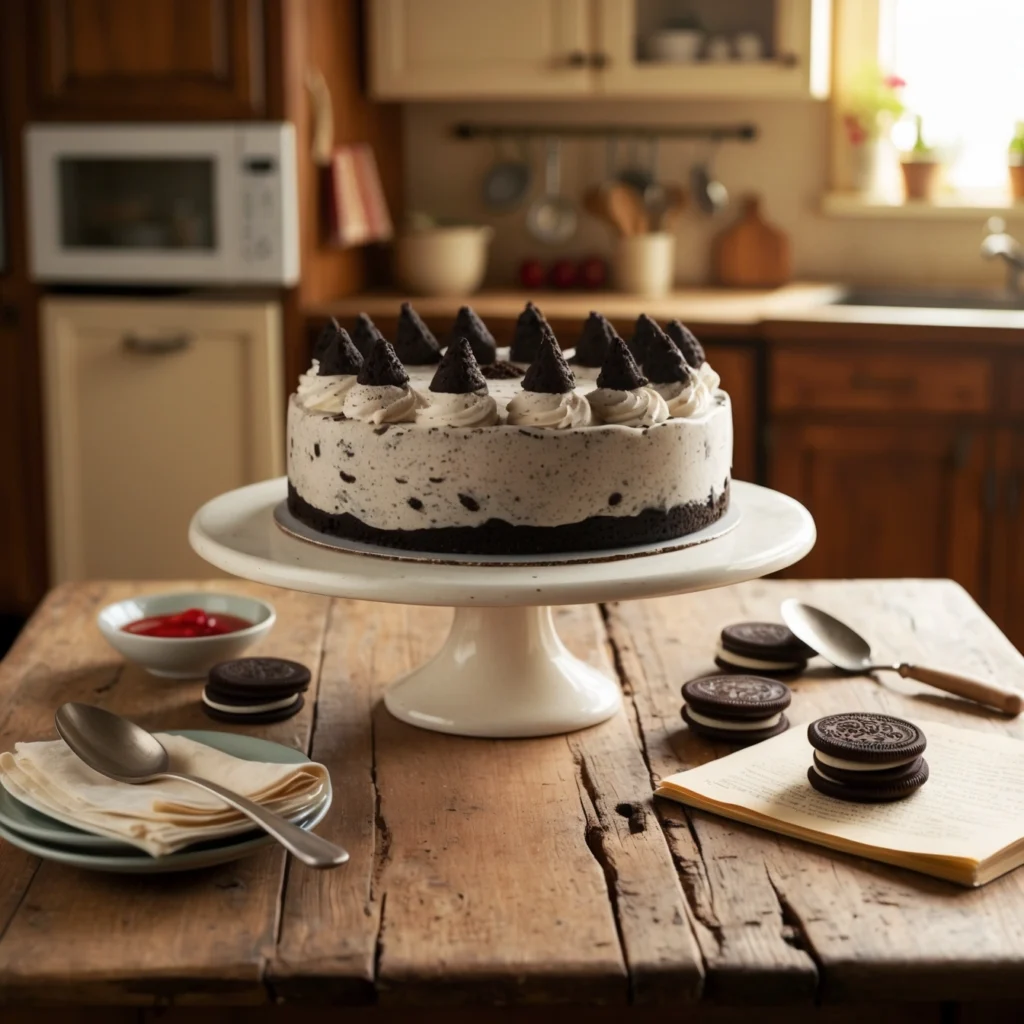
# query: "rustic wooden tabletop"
{"type": "Point", "coordinates": [523, 871]}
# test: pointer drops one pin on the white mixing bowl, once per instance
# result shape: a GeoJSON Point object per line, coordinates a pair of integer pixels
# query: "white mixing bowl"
{"type": "Point", "coordinates": [443, 261]}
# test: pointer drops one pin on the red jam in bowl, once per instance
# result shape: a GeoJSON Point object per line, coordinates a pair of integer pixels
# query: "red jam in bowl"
{"type": "Point", "coordinates": [192, 622]}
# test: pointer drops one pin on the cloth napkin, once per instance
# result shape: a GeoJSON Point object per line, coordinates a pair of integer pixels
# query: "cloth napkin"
{"type": "Point", "coordinates": [163, 816]}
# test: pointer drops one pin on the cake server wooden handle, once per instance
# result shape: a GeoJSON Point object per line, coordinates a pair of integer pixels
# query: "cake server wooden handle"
{"type": "Point", "coordinates": [979, 690]}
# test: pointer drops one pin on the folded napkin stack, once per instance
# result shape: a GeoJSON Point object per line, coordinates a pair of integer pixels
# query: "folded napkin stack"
{"type": "Point", "coordinates": [163, 816]}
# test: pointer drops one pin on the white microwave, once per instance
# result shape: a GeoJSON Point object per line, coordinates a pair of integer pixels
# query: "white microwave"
{"type": "Point", "coordinates": [175, 204]}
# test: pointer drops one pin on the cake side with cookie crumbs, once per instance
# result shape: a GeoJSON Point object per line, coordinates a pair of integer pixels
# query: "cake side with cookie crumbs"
{"type": "Point", "coordinates": [562, 454]}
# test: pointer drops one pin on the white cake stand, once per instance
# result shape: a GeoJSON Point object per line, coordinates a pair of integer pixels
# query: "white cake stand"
{"type": "Point", "coordinates": [503, 671]}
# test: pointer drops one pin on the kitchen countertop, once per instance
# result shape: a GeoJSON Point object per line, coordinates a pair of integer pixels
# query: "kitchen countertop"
{"type": "Point", "coordinates": [796, 312]}
{"type": "Point", "coordinates": [517, 871]}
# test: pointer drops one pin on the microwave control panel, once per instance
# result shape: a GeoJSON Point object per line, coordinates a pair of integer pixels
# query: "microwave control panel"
{"type": "Point", "coordinates": [268, 224]}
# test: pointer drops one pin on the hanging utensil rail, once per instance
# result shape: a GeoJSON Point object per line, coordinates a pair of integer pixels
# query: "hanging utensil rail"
{"type": "Point", "coordinates": [714, 132]}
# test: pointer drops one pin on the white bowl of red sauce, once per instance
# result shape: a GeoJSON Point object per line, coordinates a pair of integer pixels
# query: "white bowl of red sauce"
{"type": "Point", "coordinates": [182, 635]}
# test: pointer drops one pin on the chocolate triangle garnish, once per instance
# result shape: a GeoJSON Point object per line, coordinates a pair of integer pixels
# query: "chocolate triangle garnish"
{"type": "Point", "coordinates": [643, 331]}
{"type": "Point", "coordinates": [341, 357]}
{"type": "Point", "coordinates": [327, 334]}
{"type": "Point", "coordinates": [687, 343]}
{"type": "Point", "coordinates": [364, 334]}
{"type": "Point", "coordinates": [383, 367]}
{"type": "Point", "coordinates": [595, 341]}
{"type": "Point", "coordinates": [549, 373]}
{"type": "Point", "coordinates": [665, 363]}
{"type": "Point", "coordinates": [529, 332]}
{"type": "Point", "coordinates": [458, 373]}
{"type": "Point", "coordinates": [619, 370]}
{"type": "Point", "coordinates": [414, 343]}
{"type": "Point", "coordinates": [468, 325]}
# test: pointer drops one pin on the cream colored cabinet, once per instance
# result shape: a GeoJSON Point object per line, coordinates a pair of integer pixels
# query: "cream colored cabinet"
{"type": "Point", "coordinates": [556, 49]}
{"type": "Point", "coordinates": [794, 37]}
{"type": "Point", "coordinates": [152, 408]}
{"type": "Point", "coordinates": [433, 49]}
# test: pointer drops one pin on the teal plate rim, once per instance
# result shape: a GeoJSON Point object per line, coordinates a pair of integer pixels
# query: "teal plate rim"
{"type": "Point", "coordinates": [53, 840]}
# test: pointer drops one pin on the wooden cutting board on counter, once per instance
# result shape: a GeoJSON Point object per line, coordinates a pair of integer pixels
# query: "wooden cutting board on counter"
{"type": "Point", "coordinates": [751, 253]}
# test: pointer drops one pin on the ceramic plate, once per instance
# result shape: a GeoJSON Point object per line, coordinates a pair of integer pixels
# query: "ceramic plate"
{"type": "Point", "coordinates": [294, 528]}
{"type": "Point", "coordinates": [53, 840]}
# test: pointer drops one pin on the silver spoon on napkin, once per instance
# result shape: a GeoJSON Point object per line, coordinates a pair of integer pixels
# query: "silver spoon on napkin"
{"type": "Point", "coordinates": [849, 651]}
{"type": "Point", "coordinates": [125, 752]}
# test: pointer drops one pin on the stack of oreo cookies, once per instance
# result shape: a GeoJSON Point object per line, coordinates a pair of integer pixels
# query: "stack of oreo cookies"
{"type": "Point", "coordinates": [736, 709]}
{"type": "Point", "coordinates": [768, 648]}
{"type": "Point", "coordinates": [255, 690]}
{"type": "Point", "coordinates": [866, 757]}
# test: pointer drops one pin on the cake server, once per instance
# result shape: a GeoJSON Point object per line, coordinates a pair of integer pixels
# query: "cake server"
{"type": "Point", "coordinates": [849, 651]}
{"type": "Point", "coordinates": [125, 752]}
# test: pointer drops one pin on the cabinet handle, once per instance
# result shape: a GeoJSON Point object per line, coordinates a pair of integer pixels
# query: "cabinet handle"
{"type": "Point", "coordinates": [599, 60]}
{"type": "Point", "coordinates": [577, 59]}
{"type": "Point", "coordinates": [156, 346]}
{"type": "Point", "coordinates": [1013, 494]}
{"type": "Point", "coordinates": [869, 382]}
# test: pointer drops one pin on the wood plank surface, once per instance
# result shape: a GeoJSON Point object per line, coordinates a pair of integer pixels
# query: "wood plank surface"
{"type": "Point", "coordinates": [89, 937]}
{"type": "Point", "coordinates": [774, 911]}
{"type": "Point", "coordinates": [514, 872]}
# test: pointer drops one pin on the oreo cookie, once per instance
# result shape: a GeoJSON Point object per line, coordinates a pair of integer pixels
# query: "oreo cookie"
{"type": "Point", "coordinates": [739, 709]}
{"type": "Point", "coordinates": [764, 647]}
{"type": "Point", "coordinates": [255, 690]}
{"type": "Point", "coordinates": [866, 757]}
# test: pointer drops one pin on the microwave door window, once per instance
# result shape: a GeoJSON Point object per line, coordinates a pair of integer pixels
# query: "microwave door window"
{"type": "Point", "coordinates": [162, 204]}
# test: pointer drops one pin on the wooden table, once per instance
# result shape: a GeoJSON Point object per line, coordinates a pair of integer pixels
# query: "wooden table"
{"type": "Point", "coordinates": [516, 872]}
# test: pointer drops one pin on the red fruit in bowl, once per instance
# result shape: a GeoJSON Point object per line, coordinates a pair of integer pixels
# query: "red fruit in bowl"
{"type": "Point", "coordinates": [531, 274]}
{"type": "Point", "coordinates": [593, 272]}
{"type": "Point", "coordinates": [562, 274]}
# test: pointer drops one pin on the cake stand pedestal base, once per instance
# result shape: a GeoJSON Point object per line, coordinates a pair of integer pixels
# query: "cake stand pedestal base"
{"type": "Point", "coordinates": [504, 672]}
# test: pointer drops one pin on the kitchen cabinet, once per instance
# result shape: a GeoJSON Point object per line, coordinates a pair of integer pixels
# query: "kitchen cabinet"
{"type": "Point", "coordinates": [429, 49]}
{"type": "Point", "coordinates": [888, 498]}
{"type": "Point", "coordinates": [1005, 501]}
{"type": "Point", "coordinates": [463, 49]}
{"type": "Point", "coordinates": [159, 60]}
{"type": "Point", "coordinates": [151, 408]}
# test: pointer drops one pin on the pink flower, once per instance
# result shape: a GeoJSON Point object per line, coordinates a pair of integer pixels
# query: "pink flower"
{"type": "Point", "coordinates": [893, 82]}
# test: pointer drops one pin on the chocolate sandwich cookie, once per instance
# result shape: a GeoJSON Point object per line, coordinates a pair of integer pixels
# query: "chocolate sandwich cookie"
{"type": "Point", "coordinates": [736, 708]}
{"type": "Point", "coordinates": [866, 757]}
{"type": "Point", "coordinates": [255, 690]}
{"type": "Point", "coordinates": [764, 647]}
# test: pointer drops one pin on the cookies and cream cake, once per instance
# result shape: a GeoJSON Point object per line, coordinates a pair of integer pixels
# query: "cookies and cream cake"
{"type": "Point", "coordinates": [486, 451]}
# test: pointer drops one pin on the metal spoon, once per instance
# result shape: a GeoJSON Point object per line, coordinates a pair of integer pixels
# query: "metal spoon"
{"type": "Point", "coordinates": [849, 651]}
{"type": "Point", "coordinates": [708, 192]}
{"type": "Point", "coordinates": [124, 751]}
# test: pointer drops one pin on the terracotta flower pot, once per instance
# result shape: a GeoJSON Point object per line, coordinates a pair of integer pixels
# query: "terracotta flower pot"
{"type": "Point", "coordinates": [921, 179]}
{"type": "Point", "coordinates": [1017, 181]}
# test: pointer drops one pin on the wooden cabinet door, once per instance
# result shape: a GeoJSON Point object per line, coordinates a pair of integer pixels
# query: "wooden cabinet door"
{"type": "Point", "coordinates": [1006, 561]}
{"type": "Point", "coordinates": [888, 500]}
{"type": "Point", "coordinates": [152, 408]}
{"type": "Point", "coordinates": [157, 59]}
{"type": "Point", "coordinates": [467, 49]}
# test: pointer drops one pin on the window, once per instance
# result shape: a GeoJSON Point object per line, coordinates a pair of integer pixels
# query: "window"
{"type": "Point", "coordinates": [961, 61]}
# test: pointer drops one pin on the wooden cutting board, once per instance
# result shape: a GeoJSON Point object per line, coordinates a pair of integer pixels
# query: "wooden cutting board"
{"type": "Point", "coordinates": [751, 253]}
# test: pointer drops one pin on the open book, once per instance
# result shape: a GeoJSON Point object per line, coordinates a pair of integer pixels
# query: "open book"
{"type": "Point", "coordinates": [965, 824]}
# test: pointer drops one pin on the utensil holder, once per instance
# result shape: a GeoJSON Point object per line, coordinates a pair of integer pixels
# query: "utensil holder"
{"type": "Point", "coordinates": [645, 264]}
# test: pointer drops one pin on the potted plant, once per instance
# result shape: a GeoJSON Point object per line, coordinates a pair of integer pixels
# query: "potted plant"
{"type": "Point", "coordinates": [874, 106]}
{"type": "Point", "coordinates": [1016, 160]}
{"type": "Point", "coordinates": [920, 168]}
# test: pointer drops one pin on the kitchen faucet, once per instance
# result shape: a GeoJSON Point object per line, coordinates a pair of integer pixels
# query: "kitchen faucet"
{"type": "Point", "coordinates": [997, 243]}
